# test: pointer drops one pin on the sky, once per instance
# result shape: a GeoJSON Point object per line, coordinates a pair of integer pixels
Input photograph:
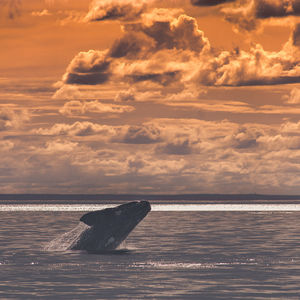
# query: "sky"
{"type": "Point", "coordinates": [150, 97]}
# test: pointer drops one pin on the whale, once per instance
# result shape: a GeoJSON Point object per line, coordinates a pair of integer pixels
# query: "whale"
{"type": "Point", "coordinates": [102, 230]}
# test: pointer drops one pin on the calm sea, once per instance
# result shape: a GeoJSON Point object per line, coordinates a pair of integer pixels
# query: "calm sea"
{"type": "Point", "coordinates": [176, 252]}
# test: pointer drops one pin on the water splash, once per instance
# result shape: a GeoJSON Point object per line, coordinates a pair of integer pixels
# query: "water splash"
{"type": "Point", "coordinates": [67, 240]}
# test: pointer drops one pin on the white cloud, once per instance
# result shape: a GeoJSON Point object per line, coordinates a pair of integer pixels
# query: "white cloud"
{"type": "Point", "coordinates": [74, 107]}
{"type": "Point", "coordinates": [293, 97]}
{"type": "Point", "coordinates": [162, 155]}
{"type": "Point", "coordinates": [115, 9]}
{"type": "Point", "coordinates": [77, 129]}
{"type": "Point", "coordinates": [41, 13]}
{"type": "Point", "coordinates": [13, 118]}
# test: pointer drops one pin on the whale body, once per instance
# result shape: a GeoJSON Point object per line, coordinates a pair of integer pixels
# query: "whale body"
{"type": "Point", "coordinates": [102, 230]}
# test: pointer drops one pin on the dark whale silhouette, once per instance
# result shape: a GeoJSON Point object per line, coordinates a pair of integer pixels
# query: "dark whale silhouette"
{"type": "Point", "coordinates": [103, 230]}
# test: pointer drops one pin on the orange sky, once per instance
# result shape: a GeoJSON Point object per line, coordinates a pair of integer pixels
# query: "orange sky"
{"type": "Point", "coordinates": [120, 96]}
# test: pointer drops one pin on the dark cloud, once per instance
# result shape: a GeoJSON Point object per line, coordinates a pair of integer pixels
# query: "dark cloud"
{"type": "Point", "coordinates": [274, 8]}
{"type": "Point", "coordinates": [89, 78]}
{"type": "Point", "coordinates": [247, 15]}
{"type": "Point", "coordinates": [176, 147]}
{"type": "Point", "coordinates": [96, 66]}
{"type": "Point", "coordinates": [245, 138]}
{"type": "Point", "coordinates": [89, 68]}
{"type": "Point", "coordinates": [163, 79]}
{"type": "Point", "coordinates": [209, 2]}
{"type": "Point", "coordinates": [296, 35]}
{"type": "Point", "coordinates": [132, 44]}
{"type": "Point", "coordinates": [141, 135]}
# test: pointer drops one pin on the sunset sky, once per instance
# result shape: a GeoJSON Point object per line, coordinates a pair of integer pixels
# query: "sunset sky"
{"type": "Point", "coordinates": [145, 96]}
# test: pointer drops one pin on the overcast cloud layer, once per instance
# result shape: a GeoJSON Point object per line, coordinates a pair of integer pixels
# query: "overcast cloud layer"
{"type": "Point", "coordinates": [148, 103]}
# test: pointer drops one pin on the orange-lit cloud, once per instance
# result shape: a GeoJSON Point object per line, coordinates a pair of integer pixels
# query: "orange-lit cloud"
{"type": "Point", "coordinates": [115, 9]}
{"type": "Point", "coordinates": [293, 97]}
{"type": "Point", "coordinates": [147, 101]}
{"type": "Point", "coordinates": [247, 14]}
{"type": "Point", "coordinates": [175, 148]}
{"type": "Point", "coordinates": [75, 107]}
{"type": "Point", "coordinates": [169, 54]}
{"type": "Point", "coordinates": [12, 118]}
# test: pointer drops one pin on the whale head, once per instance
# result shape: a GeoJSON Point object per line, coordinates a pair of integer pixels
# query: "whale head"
{"type": "Point", "coordinates": [109, 227]}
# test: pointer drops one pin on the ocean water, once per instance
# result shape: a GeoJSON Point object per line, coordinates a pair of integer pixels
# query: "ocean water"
{"type": "Point", "coordinates": [176, 252]}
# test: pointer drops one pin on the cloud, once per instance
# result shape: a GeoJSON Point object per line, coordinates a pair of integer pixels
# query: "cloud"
{"type": "Point", "coordinates": [170, 32]}
{"type": "Point", "coordinates": [88, 68]}
{"type": "Point", "coordinates": [179, 146]}
{"type": "Point", "coordinates": [68, 91]}
{"type": "Point", "coordinates": [248, 14]}
{"type": "Point", "coordinates": [142, 55]}
{"type": "Point", "coordinates": [77, 129]}
{"type": "Point", "coordinates": [58, 146]}
{"type": "Point", "coordinates": [132, 45]}
{"type": "Point", "coordinates": [290, 128]}
{"type": "Point", "coordinates": [296, 35]}
{"type": "Point", "coordinates": [179, 155]}
{"type": "Point", "coordinates": [236, 107]}
{"type": "Point", "coordinates": [75, 107]}
{"type": "Point", "coordinates": [256, 67]}
{"type": "Point", "coordinates": [166, 53]}
{"type": "Point", "coordinates": [245, 138]}
{"type": "Point", "coordinates": [79, 92]}
{"type": "Point", "coordinates": [41, 13]}
{"type": "Point", "coordinates": [126, 134]}
{"type": "Point", "coordinates": [145, 134]}
{"type": "Point", "coordinates": [293, 97]}
{"type": "Point", "coordinates": [159, 167]}
{"type": "Point", "coordinates": [274, 8]}
{"type": "Point", "coordinates": [123, 96]}
{"type": "Point", "coordinates": [115, 9]}
{"type": "Point", "coordinates": [12, 118]}
{"type": "Point", "coordinates": [6, 145]}
{"type": "Point", "coordinates": [209, 2]}
{"type": "Point", "coordinates": [163, 79]}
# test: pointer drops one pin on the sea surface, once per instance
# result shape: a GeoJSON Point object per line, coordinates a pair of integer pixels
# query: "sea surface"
{"type": "Point", "coordinates": [176, 252]}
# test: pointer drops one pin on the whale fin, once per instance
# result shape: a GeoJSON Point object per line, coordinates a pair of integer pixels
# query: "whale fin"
{"type": "Point", "coordinates": [97, 217]}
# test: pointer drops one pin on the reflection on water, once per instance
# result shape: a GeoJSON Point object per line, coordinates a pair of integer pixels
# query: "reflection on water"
{"type": "Point", "coordinates": [155, 207]}
{"type": "Point", "coordinates": [172, 255]}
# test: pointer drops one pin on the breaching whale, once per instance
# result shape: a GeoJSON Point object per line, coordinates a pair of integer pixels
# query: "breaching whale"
{"type": "Point", "coordinates": [102, 230]}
